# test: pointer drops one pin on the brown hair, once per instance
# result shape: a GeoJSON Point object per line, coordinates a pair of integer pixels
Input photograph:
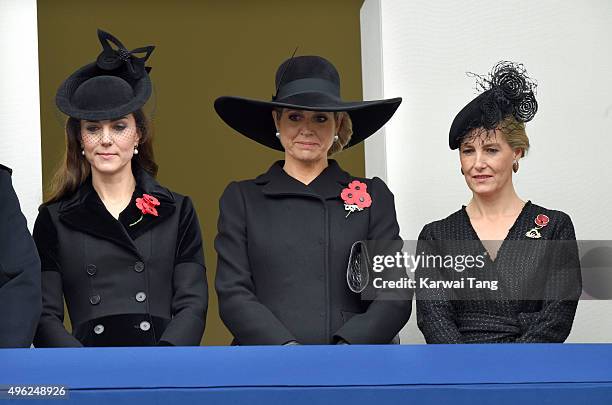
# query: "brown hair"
{"type": "Point", "coordinates": [75, 169]}
{"type": "Point", "coordinates": [344, 131]}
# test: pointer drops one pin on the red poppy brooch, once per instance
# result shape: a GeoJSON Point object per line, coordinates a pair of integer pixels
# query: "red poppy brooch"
{"type": "Point", "coordinates": [356, 197]}
{"type": "Point", "coordinates": [146, 205]}
{"type": "Point", "coordinates": [541, 221]}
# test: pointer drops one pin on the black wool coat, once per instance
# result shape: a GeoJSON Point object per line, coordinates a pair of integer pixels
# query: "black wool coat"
{"type": "Point", "coordinates": [283, 249]}
{"type": "Point", "coordinates": [20, 299]}
{"type": "Point", "coordinates": [541, 281]}
{"type": "Point", "coordinates": [124, 285]}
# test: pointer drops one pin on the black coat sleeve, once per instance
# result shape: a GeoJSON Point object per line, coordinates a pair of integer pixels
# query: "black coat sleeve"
{"type": "Point", "coordinates": [251, 322]}
{"type": "Point", "coordinates": [51, 331]}
{"type": "Point", "coordinates": [20, 298]}
{"type": "Point", "coordinates": [389, 310]}
{"type": "Point", "coordinates": [435, 310]}
{"type": "Point", "coordinates": [553, 323]}
{"type": "Point", "coordinates": [190, 289]}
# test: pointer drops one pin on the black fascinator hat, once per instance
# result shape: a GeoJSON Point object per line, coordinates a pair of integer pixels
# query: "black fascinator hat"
{"type": "Point", "coordinates": [303, 83]}
{"type": "Point", "coordinates": [507, 91]}
{"type": "Point", "coordinates": [116, 84]}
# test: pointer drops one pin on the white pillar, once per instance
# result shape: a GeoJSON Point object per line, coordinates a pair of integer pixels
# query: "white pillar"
{"type": "Point", "coordinates": [423, 50]}
{"type": "Point", "coordinates": [19, 102]}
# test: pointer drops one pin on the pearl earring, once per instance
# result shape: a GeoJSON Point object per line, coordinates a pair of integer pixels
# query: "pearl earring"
{"type": "Point", "coordinates": [278, 134]}
{"type": "Point", "coordinates": [135, 150]}
{"type": "Point", "coordinates": [335, 138]}
{"type": "Point", "coordinates": [83, 152]}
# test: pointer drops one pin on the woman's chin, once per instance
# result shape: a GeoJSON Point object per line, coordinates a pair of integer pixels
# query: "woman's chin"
{"type": "Point", "coordinates": [107, 168]}
{"type": "Point", "coordinates": [483, 190]}
{"type": "Point", "coordinates": [308, 156]}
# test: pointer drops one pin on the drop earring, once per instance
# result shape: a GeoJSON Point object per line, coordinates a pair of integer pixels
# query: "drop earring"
{"type": "Point", "coordinates": [278, 134]}
{"type": "Point", "coordinates": [515, 166]}
{"type": "Point", "coordinates": [135, 150]}
{"type": "Point", "coordinates": [335, 138]}
{"type": "Point", "coordinates": [83, 152]}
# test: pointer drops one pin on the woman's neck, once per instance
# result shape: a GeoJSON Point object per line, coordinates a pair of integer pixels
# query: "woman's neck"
{"type": "Point", "coordinates": [302, 171]}
{"type": "Point", "coordinates": [116, 188]}
{"type": "Point", "coordinates": [496, 205]}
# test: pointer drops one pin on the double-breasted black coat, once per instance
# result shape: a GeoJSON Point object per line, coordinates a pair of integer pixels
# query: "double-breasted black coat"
{"type": "Point", "coordinates": [283, 249]}
{"type": "Point", "coordinates": [19, 271]}
{"type": "Point", "coordinates": [124, 285]}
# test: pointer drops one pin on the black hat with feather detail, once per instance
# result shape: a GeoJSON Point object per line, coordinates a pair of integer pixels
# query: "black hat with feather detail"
{"type": "Point", "coordinates": [303, 83]}
{"type": "Point", "coordinates": [116, 84]}
{"type": "Point", "coordinates": [507, 92]}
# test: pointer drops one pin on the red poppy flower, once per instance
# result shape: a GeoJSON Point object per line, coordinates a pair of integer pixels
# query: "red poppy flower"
{"type": "Point", "coordinates": [152, 200]}
{"type": "Point", "coordinates": [363, 201]}
{"type": "Point", "coordinates": [356, 195]}
{"type": "Point", "coordinates": [358, 186]}
{"type": "Point", "coordinates": [147, 204]}
{"type": "Point", "coordinates": [541, 220]}
{"type": "Point", "coordinates": [348, 196]}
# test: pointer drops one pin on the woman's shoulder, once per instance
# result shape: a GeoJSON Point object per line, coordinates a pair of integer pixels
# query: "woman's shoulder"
{"type": "Point", "coordinates": [445, 228]}
{"type": "Point", "coordinates": [559, 222]}
{"type": "Point", "coordinates": [374, 184]}
{"type": "Point", "coordinates": [54, 206]}
{"type": "Point", "coordinates": [552, 214]}
{"type": "Point", "coordinates": [181, 201]}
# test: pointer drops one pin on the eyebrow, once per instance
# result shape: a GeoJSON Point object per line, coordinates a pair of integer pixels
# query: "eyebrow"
{"type": "Point", "coordinates": [111, 120]}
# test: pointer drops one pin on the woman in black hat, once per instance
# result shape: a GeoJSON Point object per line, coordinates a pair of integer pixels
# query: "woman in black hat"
{"type": "Point", "coordinates": [284, 238]}
{"type": "Point", "coordinates": [523, 287]}
{"type": "Point", "coordinates": [123, 251]}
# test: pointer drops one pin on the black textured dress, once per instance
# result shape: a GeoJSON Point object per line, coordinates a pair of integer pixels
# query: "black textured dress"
{"type": "Point", "coordinates": [538, 272]}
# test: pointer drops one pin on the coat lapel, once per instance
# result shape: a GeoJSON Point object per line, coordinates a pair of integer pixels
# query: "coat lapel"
{"type": "Point", "coordinates": [165, 209]}
{"type": "Point", "coordinates": [328, 185]}
{"type": "Point", "coordinates": [85, 212]}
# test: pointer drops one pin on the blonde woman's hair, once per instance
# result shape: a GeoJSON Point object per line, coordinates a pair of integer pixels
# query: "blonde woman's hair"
{"type": "Point", "coordinates": [345, 132]}
{"type": "Point", "coordinates": [512, 130]}
{"type": "Point", "coordinates": [514, 133]}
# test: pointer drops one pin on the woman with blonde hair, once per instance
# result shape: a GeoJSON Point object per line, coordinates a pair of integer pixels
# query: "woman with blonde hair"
{"type": "Point", "coordinates": [528, 249]}
{"type": "Point", "coordinates": [285, 237]}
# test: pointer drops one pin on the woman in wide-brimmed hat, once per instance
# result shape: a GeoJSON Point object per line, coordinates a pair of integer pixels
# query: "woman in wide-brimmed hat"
{"type": "Point", "coordinates": [123, 251]}
{"type": "Point", "coordinates": [525, 286]}
{"type": "Point", "coordinates": [285, 237]}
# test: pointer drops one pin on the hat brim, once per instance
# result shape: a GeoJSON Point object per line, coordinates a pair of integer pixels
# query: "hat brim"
{"type": "Point", "coordinates": [468, 118]}
{"type": "Point", "coordinates": [142, 91]}
{"type": "Point", "coordinates": [253, 118]}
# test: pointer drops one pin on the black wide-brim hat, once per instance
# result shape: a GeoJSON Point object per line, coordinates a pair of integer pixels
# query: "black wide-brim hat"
{"type": "Point", "coordinates": [115, 85]}
{"type": "Point", "coordinates": [303, 83]}
{"type": "Point", "coordinates": [508, 91]}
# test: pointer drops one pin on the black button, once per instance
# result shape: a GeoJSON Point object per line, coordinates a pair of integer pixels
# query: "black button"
{"type": "Point", "coordinates": [139, 267]}
{"type": "Point", "coordinates": [94, 299]}
{"type": "Point", "coordinates": [91, 269]}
